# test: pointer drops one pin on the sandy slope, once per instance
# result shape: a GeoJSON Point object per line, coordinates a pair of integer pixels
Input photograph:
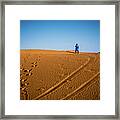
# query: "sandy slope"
{"type": "Point", "coordinates": [55, 75]}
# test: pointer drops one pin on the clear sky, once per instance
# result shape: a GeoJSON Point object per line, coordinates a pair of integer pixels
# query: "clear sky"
{"type": "Point", "coordinates": [60, 34]}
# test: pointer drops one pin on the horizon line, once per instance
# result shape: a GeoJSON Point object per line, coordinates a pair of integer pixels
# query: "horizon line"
{"type": "Point", "coordinates": [58, 50]}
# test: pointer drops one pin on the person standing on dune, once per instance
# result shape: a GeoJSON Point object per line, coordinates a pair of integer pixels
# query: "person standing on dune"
{"type": "Point", "coordinates": [76, 48]}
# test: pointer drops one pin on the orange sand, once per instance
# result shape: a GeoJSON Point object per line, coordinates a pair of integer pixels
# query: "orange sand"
{"type": "Point", "coordinates": [59, 75]}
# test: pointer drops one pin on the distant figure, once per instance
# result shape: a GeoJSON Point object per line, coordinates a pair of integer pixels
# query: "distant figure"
{"type": "Point", "coordinates": [76, 48]}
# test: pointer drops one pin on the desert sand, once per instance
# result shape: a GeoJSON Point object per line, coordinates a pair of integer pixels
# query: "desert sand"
{"type": "Point", "coordinates": [59, 75]}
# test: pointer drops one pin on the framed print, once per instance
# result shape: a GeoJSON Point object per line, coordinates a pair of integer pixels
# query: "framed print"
{"type": "Point", "coordinates": [60, 59]}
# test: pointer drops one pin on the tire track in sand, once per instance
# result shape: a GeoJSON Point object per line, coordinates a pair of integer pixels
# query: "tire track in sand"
{"type": "Point", "coordinates": [96, 79]}
{"type": "Point", "coordinates": [81, 86]}
{"type": "Point", "coordinates": [62, 81]}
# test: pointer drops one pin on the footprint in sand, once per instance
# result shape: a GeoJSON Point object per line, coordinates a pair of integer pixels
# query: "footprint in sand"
{"type": "Point", "coordinates": [29, 70]}
{"type": "Point", "coordinates": [26, 70]}
{"type": "Point", "coordinates": [22, 84]}
{"type": "Point", "coordinates": [28, 74]}
{"type": "Point", "coordinates": [23, 80]}
{"type": "Point", "coordinates": [23, 89]}
{"type": "Point", "coordinates": [21, 69]}
{"type": "Point", "coordinates": [24, 93]}
{"type": "Point", "coordinates": [34, 65]}
{"type": "Point", "coordinates": [26, 84]}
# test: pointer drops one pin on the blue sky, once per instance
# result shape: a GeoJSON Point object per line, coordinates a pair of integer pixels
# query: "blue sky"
{"type": "Point", "coordinates": [60, 34]}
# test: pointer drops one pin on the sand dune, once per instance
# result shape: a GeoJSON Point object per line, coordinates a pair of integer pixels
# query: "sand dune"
{"type": "Point", "coordinates": [59, 75]}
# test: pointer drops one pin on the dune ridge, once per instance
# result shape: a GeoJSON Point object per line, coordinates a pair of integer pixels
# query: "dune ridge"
{"type": "Point", "coordinates": [59, 75]}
